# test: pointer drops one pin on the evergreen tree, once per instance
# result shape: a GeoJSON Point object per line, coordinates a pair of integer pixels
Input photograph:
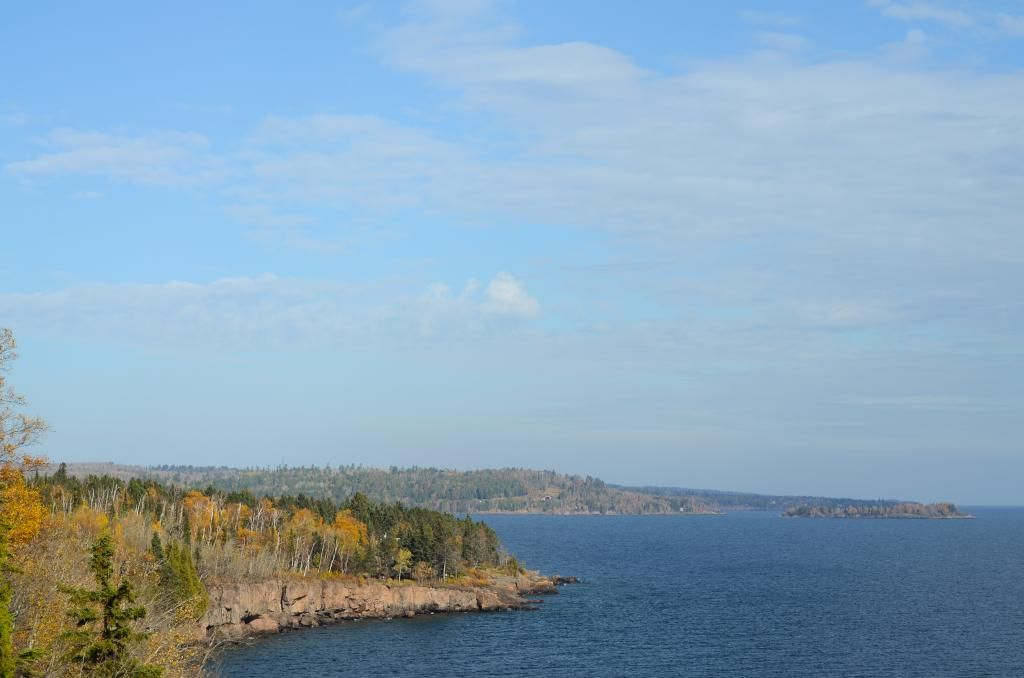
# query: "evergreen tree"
{"type": "Point", "coordinates": [180, 581]}
{"type": "Point", "coordinates": [186, 529]}
{"type": "Point", "coordinates": [104, 618]}
{"type": "Point", "coordinates": [156, 547]}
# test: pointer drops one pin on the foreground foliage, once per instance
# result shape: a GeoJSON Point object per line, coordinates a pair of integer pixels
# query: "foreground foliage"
{"type": "Point", "coordinates": [104, 630]}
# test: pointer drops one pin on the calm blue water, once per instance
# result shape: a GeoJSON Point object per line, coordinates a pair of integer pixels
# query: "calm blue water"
{"type": "Point", "coordinates": [747, 594]}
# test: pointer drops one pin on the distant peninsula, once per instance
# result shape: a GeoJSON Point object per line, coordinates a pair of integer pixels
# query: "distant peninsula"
{"type": "Point", "coordinates": [910, 510]}
{"type": "Point", "coordinates": [503, 490]}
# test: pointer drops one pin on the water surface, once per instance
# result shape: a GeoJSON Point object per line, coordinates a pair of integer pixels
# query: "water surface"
{"type": "Point", "coordinates": [745, 594]}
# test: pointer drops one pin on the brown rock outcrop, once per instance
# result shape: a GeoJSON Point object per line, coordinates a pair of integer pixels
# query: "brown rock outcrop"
{"type": "Point", "coordinates": [243, 609]}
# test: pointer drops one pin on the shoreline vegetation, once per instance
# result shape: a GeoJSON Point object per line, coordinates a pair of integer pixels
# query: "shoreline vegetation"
{"type": "Point", "coordinates": [483, 492]}
{"type": "Point", "coordinates": [190, 569]}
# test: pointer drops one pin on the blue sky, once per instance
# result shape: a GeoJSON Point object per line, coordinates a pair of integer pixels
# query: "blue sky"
{"type": "Point", "coordinates": [764, 246]}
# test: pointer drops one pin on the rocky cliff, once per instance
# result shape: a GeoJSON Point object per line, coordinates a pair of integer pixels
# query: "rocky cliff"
{"type": "Point", "coordinates": [238, 610]}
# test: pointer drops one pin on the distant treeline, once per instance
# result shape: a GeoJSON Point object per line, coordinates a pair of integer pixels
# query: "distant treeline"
{"type": "Point", "coordinates": [747, 501]}
{"type": "Point", "coordinates": [504, 490]}
{"type": "Point", "coordinates": [480, 491]}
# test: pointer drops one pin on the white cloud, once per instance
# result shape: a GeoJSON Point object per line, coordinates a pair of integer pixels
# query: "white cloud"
{"type": "Point", "coordinates": [265, 311]}
{"type": "Point", "coordinates": [251, 313]}
{"type": "Point", "coordinates": [86, 195]}
{"type": "Point", "coordinates": [353, 14]}
{"type": "Point", "coordinates": [264, 215]}
{"type": "Point", "coordinates": [1011, 25]}
{"type": "Point", "coordinates": [14, 118]}
{"type": "Point", "coordinates": [882, 187]}
{"type": "Point", "coordinates": [158, 158]}
{"type": "Point", "coordinates": [347, 161]}
{"type": "Point", "coordinates": [785, 42]}
{"type": "Point", "coordinates": [985, 23]}
{"type": "Point", "coordinates": [924, 11]}
{"type": "Point", "coordinates": [506, 296]}
{"type": "Point", "coordinates": [723, 147]}
{"type": "Point", "coordinates": [845, 314]}
{"type": "Point", "coordinates": [441, 311]}
{"type": "Point", "coordinates": [912, 48]}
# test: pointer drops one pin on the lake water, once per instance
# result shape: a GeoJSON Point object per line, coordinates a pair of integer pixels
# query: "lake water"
{"type": "Point", "coordinates": [745, 594]}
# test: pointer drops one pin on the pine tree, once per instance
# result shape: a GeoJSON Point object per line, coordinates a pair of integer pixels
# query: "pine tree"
{"type": "Point", "coordinates": [104, 618]}
{"type": "Point", "coordinates": [180, 581]}
{"type": "Point", "coordinates": [156, 547]}
{"type": "Point", "coordinates": [186, 529]}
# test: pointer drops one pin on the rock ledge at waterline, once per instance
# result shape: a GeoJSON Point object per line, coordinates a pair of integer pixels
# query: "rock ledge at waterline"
{"type": "Point", "coordinates": [240, 610]}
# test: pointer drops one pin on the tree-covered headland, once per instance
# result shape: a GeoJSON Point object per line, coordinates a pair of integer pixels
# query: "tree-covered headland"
{"type": "Point", "coordinates": [105, 576]}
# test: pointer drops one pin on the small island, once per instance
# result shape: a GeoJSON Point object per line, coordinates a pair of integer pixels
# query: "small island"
{"type": "Point", "coordinates": [905, 510]}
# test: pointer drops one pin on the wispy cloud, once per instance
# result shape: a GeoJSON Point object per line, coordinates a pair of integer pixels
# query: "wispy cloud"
{"type": "Point", "coordinates": [347, 161]}
{"type": "Point", "coordinates": [833, 194]}
{"type": "Point", "coordinates": [843, 314]}
{"type": "Point", "coordinates": [785, 42]}
{"type": "Point", "coordinates": [266, 216]}
{"type": "Point", "coordinates": [13, 117]}
{"type": "Point", "coordinates": [1010, 24]}
{"type": "Point", "coordinates": [158, 158]}
{"type": "Point", "coordinates": [971, 17]}
{"type": "Point", "coordinates": [928, 403]}
{"type": "Point", "coordinates": [924, 11]}
{"type": "Point", "coordinates": [775, 19]}
{"type": "Point", "coordinates": [86, 195]}
{"type": "Point", "coordinates": [353, 14]}
{"type": "Point", "coordinates": [253, 313]}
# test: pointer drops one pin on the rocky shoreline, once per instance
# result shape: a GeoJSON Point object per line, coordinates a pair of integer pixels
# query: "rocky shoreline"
{"type": "Point", "coordinates": [242, 610]}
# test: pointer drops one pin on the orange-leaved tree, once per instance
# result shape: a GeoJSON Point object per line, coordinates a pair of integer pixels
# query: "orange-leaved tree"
{"type": "Point", "coordinates": [21, 512]}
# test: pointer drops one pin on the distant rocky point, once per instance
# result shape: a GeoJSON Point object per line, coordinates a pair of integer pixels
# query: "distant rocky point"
{"type": "Point", "coordinates": [942, 510]}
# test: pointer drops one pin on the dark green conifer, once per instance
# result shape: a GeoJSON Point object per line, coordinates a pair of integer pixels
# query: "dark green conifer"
{"type": "Point", "coordinates": [104, 621]}
{"type": "Point", "coordinates": [156, 547]}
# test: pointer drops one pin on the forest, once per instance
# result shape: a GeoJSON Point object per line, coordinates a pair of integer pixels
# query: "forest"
{"type": "Point", "coordinates": [476, 491]}
{"type": "Point", "coordinates": [171, 542]}
{"type": "Point", "coordinates": [105, 576]}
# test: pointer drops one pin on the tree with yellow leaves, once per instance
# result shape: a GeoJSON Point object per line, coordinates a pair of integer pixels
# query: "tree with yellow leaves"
{"type": "Point", "coordinates": [21, 513]}
{"type": "Point", "coordinates": [350, 533]}
{"type": "Point", "coordinates": [403, 559]}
